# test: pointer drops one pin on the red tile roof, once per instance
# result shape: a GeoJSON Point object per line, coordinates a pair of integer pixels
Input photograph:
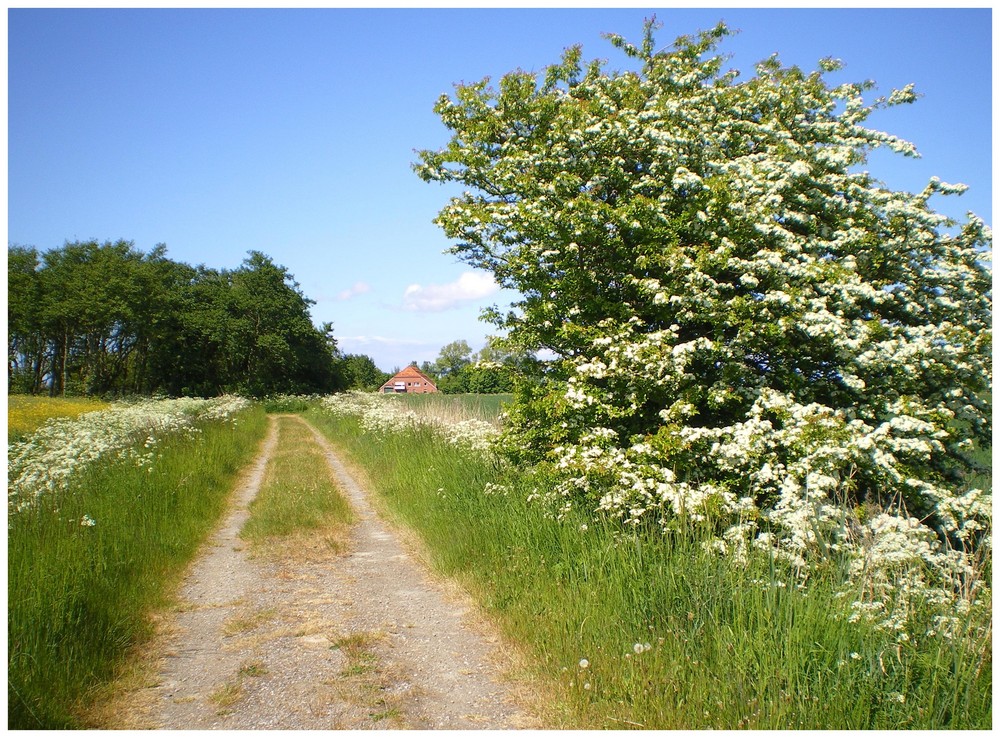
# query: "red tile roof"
{"type": "Point", "coordinates": [411, 373]}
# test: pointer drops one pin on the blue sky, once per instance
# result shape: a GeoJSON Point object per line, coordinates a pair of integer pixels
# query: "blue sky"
{"type": "Point", "coordinates": [293, 132]}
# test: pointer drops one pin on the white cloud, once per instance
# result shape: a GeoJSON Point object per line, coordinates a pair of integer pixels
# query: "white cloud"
{"type": "Point", "coordinates": [434, 298]}
{"type": "Point", "coordinates": [358, 288]}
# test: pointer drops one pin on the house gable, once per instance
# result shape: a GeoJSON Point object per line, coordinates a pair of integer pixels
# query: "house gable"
{"type": "Point", "coordinates": [410, 380]}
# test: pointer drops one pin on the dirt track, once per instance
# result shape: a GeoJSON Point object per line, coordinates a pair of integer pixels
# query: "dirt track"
{"type": "Point", "coordinates": [316, 640]}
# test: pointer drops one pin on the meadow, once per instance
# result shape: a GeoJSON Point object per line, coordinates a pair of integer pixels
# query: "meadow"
{"type": "Point", "coordinates": [104, 513]}
{"type": "Point", "coordinates": [632, 629]}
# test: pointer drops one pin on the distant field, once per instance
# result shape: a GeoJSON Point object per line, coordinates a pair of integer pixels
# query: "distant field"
{"type": "Point", "coordinates": [26, 413]}
{"type": "Point", "coordinates": [462, 407]}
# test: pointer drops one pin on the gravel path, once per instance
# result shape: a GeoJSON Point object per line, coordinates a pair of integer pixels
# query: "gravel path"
{"type": "Point", "coordinates": [316, 640]}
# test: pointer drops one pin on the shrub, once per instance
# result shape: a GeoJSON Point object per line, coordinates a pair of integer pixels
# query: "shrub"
{"type": "Point", "coordinates": [748, 330]}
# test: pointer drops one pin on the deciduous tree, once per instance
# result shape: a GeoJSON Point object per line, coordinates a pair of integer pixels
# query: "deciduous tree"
{"type": "Point", "coordinates": [25, 342]}
{"type": "Point", "coordinates": [453, 357]}
{"type": "Point", "coordinates": [106, 319]}
{"type": "Point", "coordinates": [749, 327]}
{"type": "Point", "coordinates": [360, 372]}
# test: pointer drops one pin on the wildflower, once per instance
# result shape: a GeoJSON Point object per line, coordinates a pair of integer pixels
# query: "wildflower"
{"type": "Point", "coordinates": [381, 414]}
{"type": "Point", "coordinates": [584, 663]}
{"type": "Point", "coordinates": [60, 449]}
{"type": "Point", "coordinates": [87, 521]}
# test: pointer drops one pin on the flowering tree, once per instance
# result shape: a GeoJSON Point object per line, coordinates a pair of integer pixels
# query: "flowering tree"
{"type": "Point", "coordinates": [748, 329]}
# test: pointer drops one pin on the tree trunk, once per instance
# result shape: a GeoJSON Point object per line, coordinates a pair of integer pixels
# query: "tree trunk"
{"type": "Point", "coordinates": [65, 360]}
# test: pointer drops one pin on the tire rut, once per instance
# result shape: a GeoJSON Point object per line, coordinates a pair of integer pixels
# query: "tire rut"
{"type": "Point", "coordinates": [315, 640]}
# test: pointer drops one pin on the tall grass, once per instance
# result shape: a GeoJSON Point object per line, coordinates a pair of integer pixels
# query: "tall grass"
{"type": "Point", "coordinates": [638, 630]}
{"type": "Point", "coordinates": [457, 407]}
{"type": "Point", "coordinates": [79, 593]}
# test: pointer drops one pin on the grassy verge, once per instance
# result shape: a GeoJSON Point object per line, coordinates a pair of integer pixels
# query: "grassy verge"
{"type": "Point", "coordinates": [84, 571]}
{"type": "Point", "coordinates": [298, 497]}
{"type": "Point", "coordinates": [640, 631]}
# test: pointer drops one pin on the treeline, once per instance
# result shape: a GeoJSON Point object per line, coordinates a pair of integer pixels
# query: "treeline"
{"type": "Point", "coordinates": [107, 319]}
{"type": "Point", "coordinates": [491, 370]}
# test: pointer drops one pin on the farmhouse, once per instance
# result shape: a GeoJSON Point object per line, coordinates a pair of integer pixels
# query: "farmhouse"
{"type": "Point", "coordinates": [410, 380]}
